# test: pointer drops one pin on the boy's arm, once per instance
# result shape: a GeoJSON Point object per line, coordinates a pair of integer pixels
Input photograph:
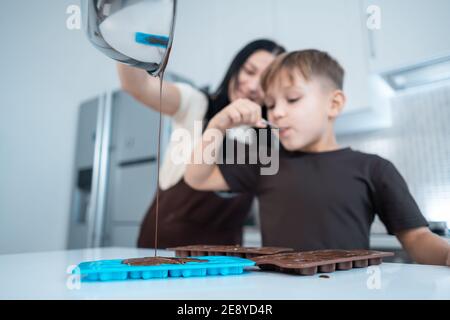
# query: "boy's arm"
{"type": "Point", "coordinates": [398, 210]}
{"type": "Point", "coordinates": [206, 175]}
{"type": "Point", "coordinates": [424, 246]}
{"type": "Point", "coordinates": [201, 175]}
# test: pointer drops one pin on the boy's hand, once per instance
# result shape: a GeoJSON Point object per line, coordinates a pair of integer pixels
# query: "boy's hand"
{"type": "Point", "coordinates": [240, 112]}
{"type": "Point", "coordinates": [448, 259]}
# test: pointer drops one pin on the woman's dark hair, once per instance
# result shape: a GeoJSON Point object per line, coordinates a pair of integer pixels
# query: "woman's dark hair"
{"type": "Point", "coordinates": [220, 99]}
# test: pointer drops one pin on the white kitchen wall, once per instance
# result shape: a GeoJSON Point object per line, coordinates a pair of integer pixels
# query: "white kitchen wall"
{"type": "Point", "coordinates": [209, 32]}
{"type": "Point", "coordinates": [46, 70]}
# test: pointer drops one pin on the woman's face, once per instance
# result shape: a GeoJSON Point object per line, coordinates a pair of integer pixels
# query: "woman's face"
{"type": "Point", "coordinates": [247, 83]}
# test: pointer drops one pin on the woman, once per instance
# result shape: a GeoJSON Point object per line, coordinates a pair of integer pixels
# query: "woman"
{"type": "Point", "coordinates": [187, 216]}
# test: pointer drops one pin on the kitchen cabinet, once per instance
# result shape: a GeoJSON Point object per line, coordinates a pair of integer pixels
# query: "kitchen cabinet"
{"type": "Point", "coordinates": [337, 27]}
{"type": "Point", "coordinates": [412, 31]}
{"type": "Point", "coordinates": [205, 43]}
{"type": "Point", "coordinates": [208, 33]}
{"type": "Point", "coordinates": [236, 23]}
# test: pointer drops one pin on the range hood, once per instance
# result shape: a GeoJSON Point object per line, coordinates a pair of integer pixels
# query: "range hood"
{"type": "Point", "coordinates": [431, 71]}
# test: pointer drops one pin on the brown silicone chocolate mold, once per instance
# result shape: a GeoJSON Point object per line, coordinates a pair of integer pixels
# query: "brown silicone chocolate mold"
{"type": "Point", "coordinates": [235, 251]}
{"type": "Point", "coordinates": [311, 262]}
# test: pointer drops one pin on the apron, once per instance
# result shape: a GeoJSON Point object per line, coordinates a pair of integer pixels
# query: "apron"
{"type": "Point", "coordinates": [190, 217]}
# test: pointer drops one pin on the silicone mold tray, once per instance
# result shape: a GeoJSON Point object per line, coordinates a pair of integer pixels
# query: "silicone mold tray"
{"type": "Point", "coordinates": [235, 251]}
{"type": "Point", "coordinates": [311, 262]}
{"type": "Point", "coordinates": [108, 270]}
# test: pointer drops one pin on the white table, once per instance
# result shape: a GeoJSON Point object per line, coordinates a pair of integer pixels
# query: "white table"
{"type": "Point", "coordinates": [43, 276]}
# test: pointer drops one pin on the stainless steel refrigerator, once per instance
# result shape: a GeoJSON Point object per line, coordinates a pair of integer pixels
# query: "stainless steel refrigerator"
{"type": "Point", "coordinates": [115, 169]}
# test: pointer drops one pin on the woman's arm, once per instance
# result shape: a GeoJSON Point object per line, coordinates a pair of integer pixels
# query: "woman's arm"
{"type": "Point", "coordinates": [145, 88]}
{"type": "Point", "coordinates": [425, 247]}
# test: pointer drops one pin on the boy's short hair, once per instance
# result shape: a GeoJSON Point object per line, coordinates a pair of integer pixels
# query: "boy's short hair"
{"type": "Point", "coordinates": [309, 63]}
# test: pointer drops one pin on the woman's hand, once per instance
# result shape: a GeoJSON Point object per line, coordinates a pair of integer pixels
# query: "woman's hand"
{"type": "Point", "coordinates": [146, 89]}
{"type": "Point", "coordinates": [239, 112]}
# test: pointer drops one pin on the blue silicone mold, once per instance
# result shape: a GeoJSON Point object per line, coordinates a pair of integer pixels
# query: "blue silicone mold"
{"type": "Point", "coordinates": [108, 270]}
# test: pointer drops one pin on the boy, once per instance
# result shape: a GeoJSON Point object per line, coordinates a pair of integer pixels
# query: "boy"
{"type": "Point", "coordinates": [323, 197]}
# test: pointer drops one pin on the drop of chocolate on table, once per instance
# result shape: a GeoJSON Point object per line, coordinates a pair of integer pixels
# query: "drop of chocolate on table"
{"type": "Point", "coordinates": [324, 276]}
{"type": "Point", "coordinates": [156, 261]}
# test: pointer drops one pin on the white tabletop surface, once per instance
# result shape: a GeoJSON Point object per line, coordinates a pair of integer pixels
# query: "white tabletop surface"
{"type": "Point", "coordinates": [44, 276]}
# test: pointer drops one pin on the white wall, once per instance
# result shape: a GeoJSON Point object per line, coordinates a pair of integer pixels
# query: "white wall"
{"type": "Point", "coordinates": [209, 33]}
{"type": "Point", "coordinates": [46, 70]}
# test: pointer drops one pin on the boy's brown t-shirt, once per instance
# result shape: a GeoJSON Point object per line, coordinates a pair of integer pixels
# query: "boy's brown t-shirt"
{"type": "Point", "coordinates": [326, 200]}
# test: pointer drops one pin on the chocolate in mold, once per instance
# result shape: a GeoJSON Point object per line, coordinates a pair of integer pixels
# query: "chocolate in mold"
{"type": "Point", "coordinates": [322, 261]}
{"type": "Point", "coordinates": [227, 250]}
{"type": "Point", "coordinates": [156, 261]}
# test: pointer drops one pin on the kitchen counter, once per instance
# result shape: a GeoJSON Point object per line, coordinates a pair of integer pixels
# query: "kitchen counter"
{"type": "Point", "coordinates": [378, 241]}
{"type": "Point", "coordinates": [44, 276]}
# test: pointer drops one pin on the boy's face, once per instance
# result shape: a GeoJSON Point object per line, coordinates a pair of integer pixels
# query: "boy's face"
{"type": "Point", "coordinates": [303, 110]}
